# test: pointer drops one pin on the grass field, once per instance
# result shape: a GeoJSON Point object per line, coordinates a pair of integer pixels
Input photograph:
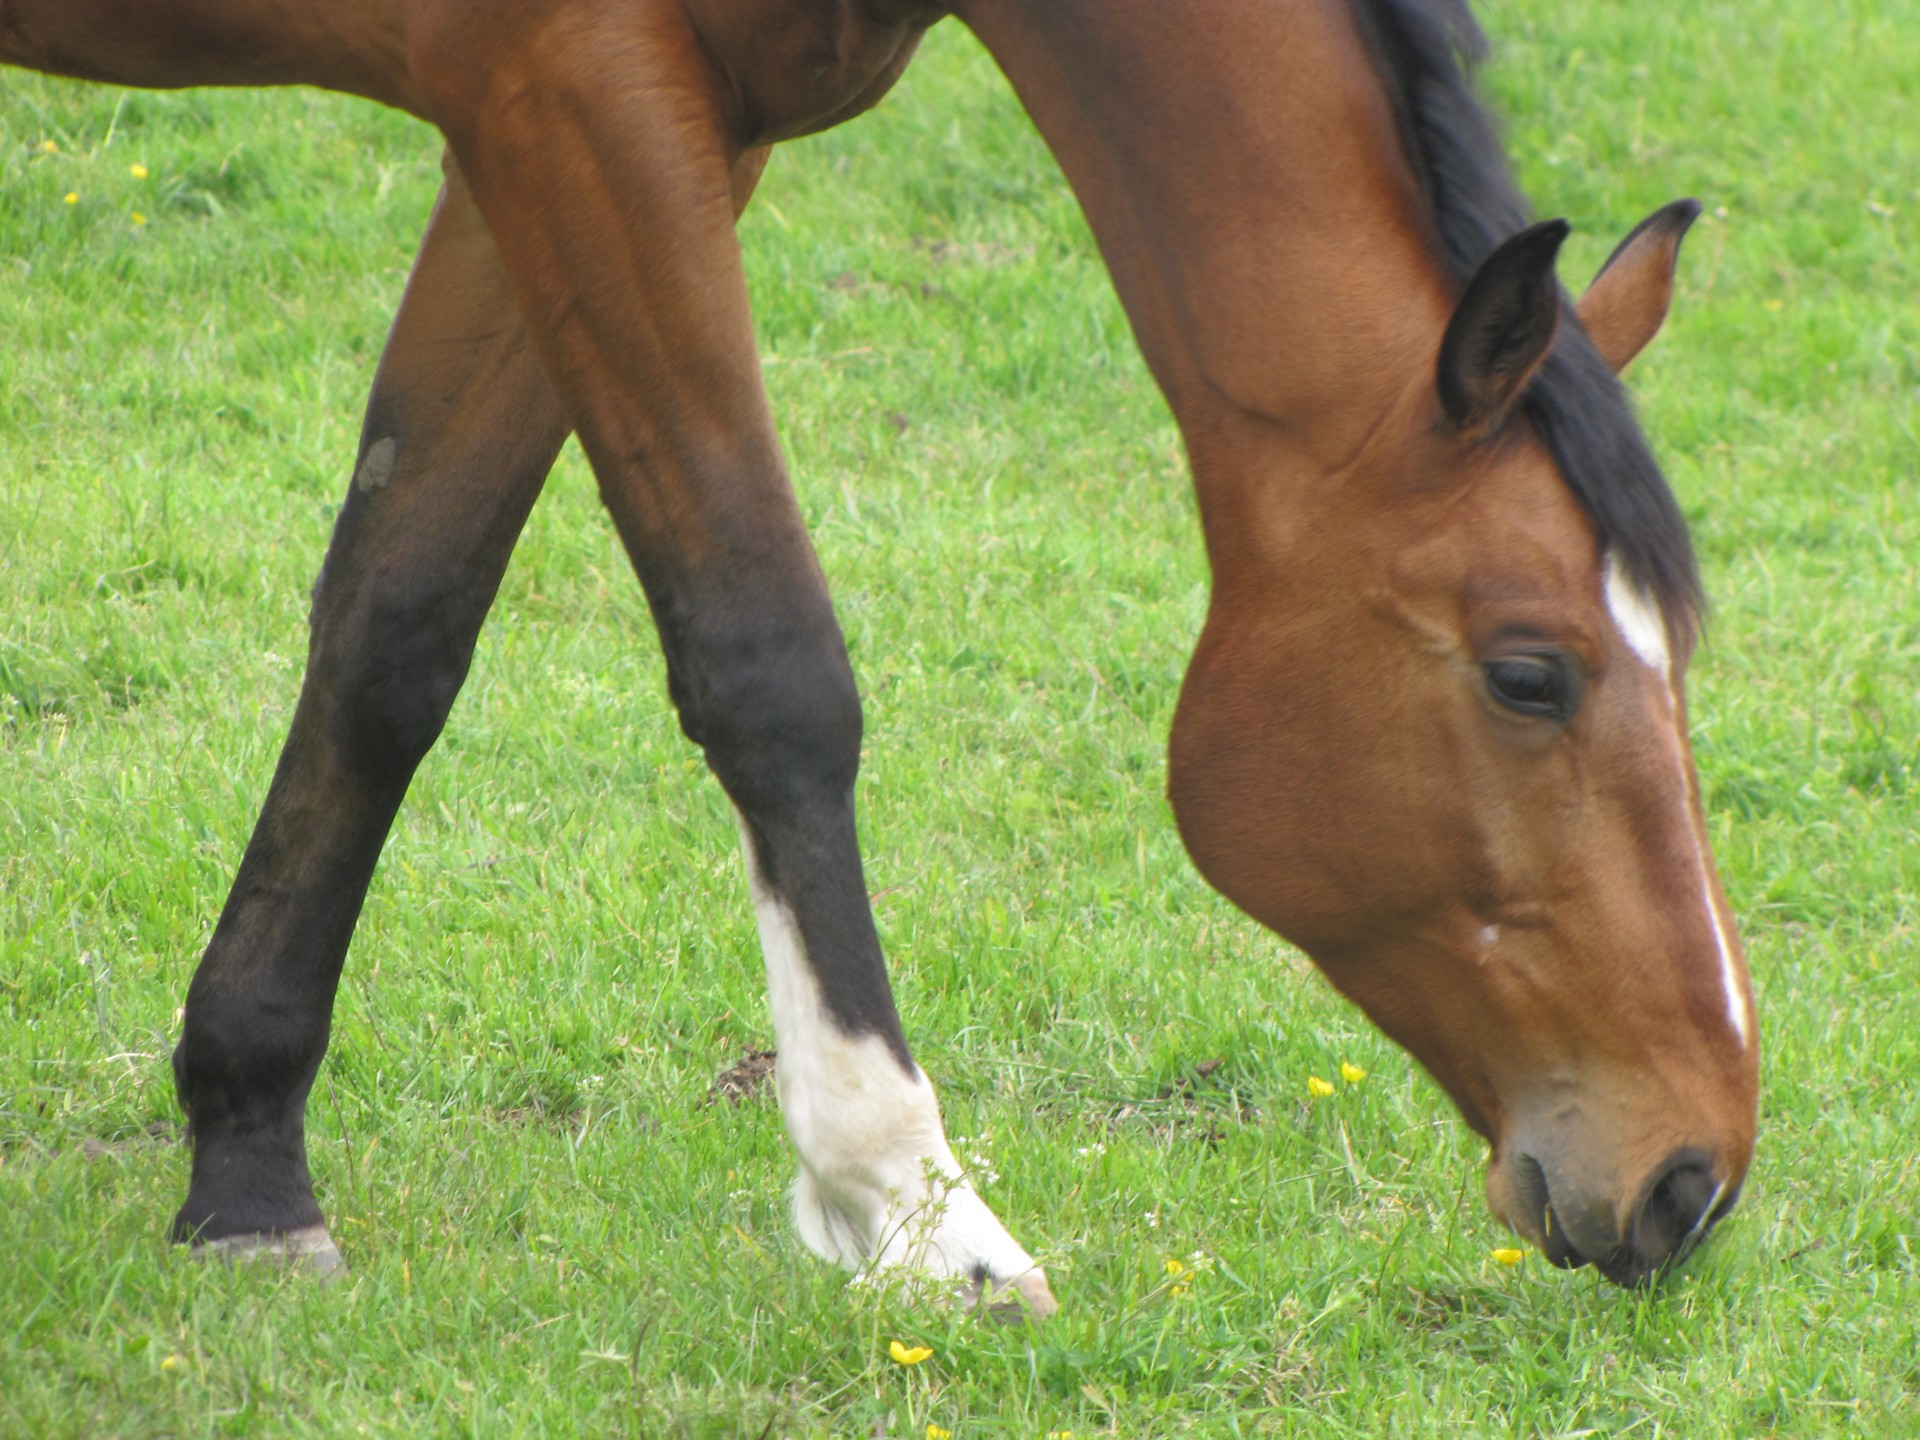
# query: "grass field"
{"type": "Point", "coordinates": [549, 1231]}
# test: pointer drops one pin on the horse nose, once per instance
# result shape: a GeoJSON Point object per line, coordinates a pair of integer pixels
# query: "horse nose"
{"type": "Point", "coordinates": [1579, 1225]}
{"type": "Point", "coordinates": [1683, 1202]}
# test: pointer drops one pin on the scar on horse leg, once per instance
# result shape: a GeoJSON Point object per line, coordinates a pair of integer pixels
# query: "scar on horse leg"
{"type": "Point", "coordinates": [468, 428]}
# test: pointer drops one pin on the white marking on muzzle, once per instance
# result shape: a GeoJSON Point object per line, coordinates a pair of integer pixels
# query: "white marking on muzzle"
{"type": "Point", "coordinates": [1642, 626]}
{"type": "Point", "coordinates": [1729, 979]}
{"type": "Point", "coordinates": [1693, 1235]}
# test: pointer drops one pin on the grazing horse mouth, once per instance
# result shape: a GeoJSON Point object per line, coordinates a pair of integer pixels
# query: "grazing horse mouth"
{"type": "Point", "coordinates": [1677, 1210]}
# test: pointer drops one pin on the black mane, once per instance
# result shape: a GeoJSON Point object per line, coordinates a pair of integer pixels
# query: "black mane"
{"type": "Point", "coordinates": [1424, 50]}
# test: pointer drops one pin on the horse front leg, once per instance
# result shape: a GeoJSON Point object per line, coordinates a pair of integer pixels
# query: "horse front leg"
{"type": "Point", "coordinates": [596, 141]}
{"type": "Point", "coordinates": [460, 432]}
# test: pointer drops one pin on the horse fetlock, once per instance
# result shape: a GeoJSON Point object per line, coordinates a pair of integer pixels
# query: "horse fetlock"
{"type": "Point", "coordinates": [886, 1197]}
{"type": "Point", "coordinates": [246, 1123]}
{"type": "Point", "coordinates": [245, 1069]}
{"type": "Point", "coordinates": [934, 1229]}
{"type": "Point", "coordinates": [249, 1181]}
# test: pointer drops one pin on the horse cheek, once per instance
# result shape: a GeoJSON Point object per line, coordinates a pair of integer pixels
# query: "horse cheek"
{"type": "Point", "coordinates": [1247, 779]}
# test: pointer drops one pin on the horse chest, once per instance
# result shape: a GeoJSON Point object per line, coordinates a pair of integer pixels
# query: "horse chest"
{"type": "Point", "coordinates": [796, 66]}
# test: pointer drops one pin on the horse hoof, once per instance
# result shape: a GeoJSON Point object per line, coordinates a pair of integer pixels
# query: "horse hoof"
{"type": "Point", "coordinates": [1026, 1298]}
{"type": "Point", "coordinates": [310, 1249]}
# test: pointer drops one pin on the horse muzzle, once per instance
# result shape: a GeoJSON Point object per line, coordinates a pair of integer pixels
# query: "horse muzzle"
{"type": "Point", "coordinates": [1576, 1222]}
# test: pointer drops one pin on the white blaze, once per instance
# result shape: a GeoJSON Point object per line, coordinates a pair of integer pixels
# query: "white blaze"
{"type": "Point", "coordinates": [1729, 981]}
{"type": "Point", "coordinates": [1642, 626]}
{"type": "Point", "coordinates": [1639, 621]}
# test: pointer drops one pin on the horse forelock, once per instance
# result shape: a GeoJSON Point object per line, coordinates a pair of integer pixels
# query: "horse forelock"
{"type": "Point", "coordinates": [1583, 417]}
{"type": "Point", "coordinates": [1424, 51]}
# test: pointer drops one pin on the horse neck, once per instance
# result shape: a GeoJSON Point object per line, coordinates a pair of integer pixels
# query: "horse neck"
{"type": "Point", "coordinates": [1242, 169]}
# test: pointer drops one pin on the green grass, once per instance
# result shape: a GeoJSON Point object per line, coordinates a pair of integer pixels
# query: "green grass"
{"type": "Point", "coordinates": [549, 1233]}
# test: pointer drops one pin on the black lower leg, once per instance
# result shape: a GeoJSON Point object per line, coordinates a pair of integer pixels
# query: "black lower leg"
{"type": "Point", "coordinates": [259, 1008]}
{"type": "Point", "coordinates": [460, 432]}
{"type": "Point", "coordinates": [763, 684]}
{"type": "Point", "coordinates": [385, 663]}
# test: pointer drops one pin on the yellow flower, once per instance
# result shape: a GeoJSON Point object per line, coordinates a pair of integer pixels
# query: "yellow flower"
{"type": "Point", "coordinates": [938, 1432]}
{"type": "Point", "coordinates": [138, 218]}
{"type": "Point", "coordinates": [904, 1356]}
{"type": "Point", "coordinates": [1319, 1088]}
{"type": "Point", "coordinates": [1351, 1073]}
{"type": "Point", "coordinates": [72, 197]}
{"type": "Point", "coordinates": [49, 147]}
{"type": "Point", "coordinates": [139, 172]}
{"type": "Point", "coordinates": [1509, 1257]}
{"type": "Point", "coordinates": [1180, 1275]}
{"type": "Point", "coordinates": [172, 1362]}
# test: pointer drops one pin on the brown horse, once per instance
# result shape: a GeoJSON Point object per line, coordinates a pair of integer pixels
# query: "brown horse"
{"type": "Point", "coordinates": [1434, 732]}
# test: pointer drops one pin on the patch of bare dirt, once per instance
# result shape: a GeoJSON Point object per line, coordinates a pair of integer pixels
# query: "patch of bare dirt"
{"type": "Point", "coordinates": [1194, 1105]}
{"type": "Point", "coordinates": [750, 1079]}
{"type": "Point", "coordinates": [156, 1135]}
{"type": "Point", "coordinates": [984, 253]}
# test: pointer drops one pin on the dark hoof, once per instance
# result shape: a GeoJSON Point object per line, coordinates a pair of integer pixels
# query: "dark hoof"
{"type": "Point", "coordinates": [310, 1250]}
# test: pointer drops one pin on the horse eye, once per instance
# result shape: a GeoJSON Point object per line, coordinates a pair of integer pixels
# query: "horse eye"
{"type": "Point", "coordinates": [1534, 685]}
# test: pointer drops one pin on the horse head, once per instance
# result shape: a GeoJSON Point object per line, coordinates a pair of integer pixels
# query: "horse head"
{"type": "Point", "coordinates": [1435, 734]}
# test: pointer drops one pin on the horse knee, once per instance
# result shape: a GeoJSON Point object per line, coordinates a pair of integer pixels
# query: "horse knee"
{"type": "Point", "coordinates": [778, 715]}
{"type": "Point", "coordinates": [386, 673]}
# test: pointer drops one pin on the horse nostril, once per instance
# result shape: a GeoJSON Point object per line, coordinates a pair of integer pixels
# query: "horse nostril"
{"type": "Point", "coordinates": [1530, 1189]}
{"type": "Point", "coordinates": [1681, 1206]}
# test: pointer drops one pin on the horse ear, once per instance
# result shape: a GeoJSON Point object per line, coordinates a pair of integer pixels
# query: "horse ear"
{"type": "Point", "coordinates": [1624, 307]}
{"type": "Point", "coordinates": [1502, 329]}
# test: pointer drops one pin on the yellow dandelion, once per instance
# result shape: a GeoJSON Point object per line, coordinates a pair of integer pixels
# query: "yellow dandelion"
{"type": "Point", "coordinates": [1351, 1073]}
{"type": "Point", "coordinates": [139, 172]}
{"type": "Point", "coordinates": [49, 147]}
{"type": "Point", "coordinates": [138, 218]}
{"type": "Point", "coordinates": [172, 1362]}
{"type": "Point", "coordinates": [905, 1355]}
{"type": "Point", "coordinates": [72, 197]}
{"type": "Point", "coordinates": [938, 1432]}
{"type": "Point", "coordinates": [1180, 1274]}
{"type": "Point", "coordinates": [1319, 1088]}
{"type": "Point", "coordinates": [1509, 1257]}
